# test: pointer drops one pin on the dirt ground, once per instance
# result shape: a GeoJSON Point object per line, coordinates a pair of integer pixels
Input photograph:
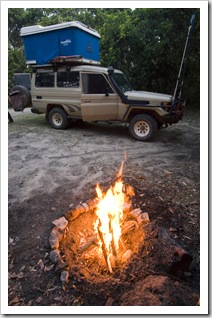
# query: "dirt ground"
{"type": "Point", "coordinates": [51, 171]}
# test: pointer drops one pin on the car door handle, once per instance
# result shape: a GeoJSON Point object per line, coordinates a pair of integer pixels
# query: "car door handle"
{"type": "Point", "coordinates": [87, 101]}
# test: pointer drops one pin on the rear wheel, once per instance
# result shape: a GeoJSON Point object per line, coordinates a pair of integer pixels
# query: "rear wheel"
{"type": "Point", "coordinates": [142, 127]}
{"type": "Point", "coordinates": [58, 118]}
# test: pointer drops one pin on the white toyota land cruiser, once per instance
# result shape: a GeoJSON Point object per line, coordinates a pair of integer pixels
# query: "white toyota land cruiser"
{"type": "Point", "coordinates": [93, 93]}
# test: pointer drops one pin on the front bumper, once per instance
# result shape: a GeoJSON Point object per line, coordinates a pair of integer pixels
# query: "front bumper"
{"type": "Point", "coordinates": [172, 118]}
{"type": "Point", "coordinates": [175, 113]}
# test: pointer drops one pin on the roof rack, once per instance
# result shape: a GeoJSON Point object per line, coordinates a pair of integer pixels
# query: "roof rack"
{"type": "Point", "coordinates": [64, 60]}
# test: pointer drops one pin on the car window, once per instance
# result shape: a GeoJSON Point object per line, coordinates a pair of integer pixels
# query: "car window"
{"type": "Point", "coordinates": [95, 84]}
{"type": "Point", "coordinates": [44, 79]}
{"type": "Point", "coordinates": [68, 79]}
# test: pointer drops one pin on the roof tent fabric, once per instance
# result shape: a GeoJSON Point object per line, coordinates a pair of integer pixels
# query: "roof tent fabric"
{"type": "Point", "coordinates": [41, 49]}
{"type": "Point", "coordinates": [42, 44]}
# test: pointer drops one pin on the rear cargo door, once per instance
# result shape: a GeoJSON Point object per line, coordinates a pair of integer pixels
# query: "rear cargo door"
{"type": "Point", "coordinates": [99, 101]}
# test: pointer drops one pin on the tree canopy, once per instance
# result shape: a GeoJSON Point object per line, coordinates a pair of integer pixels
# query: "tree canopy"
{"type": "Point", "coordinates": [146, 44]}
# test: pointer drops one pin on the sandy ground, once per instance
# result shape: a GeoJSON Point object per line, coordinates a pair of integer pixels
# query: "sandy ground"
{"type": "Point", "coordinates": [42, 159]}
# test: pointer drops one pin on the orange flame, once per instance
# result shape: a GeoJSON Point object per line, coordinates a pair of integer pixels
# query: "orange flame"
{"type": "Point", "coordinates": [110, 210]}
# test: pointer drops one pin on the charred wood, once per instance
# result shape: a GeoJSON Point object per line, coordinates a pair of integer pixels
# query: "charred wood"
{"type": "Point", "coordinates": [164, 253]}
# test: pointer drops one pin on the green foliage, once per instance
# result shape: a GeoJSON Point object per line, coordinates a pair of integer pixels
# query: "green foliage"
{"type": "Point", "coordinates": [16, 18]}
{"type": "Point", "coordinates": [146, 44]}
{"type": "Point", "coordinates": [16, 64]}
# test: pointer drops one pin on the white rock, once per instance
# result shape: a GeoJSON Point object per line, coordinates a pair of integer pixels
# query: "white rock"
{"type": "Point", "coordinates": [54, 256]}
{"type": "Point", "coordinates": [64, 276]}
{"type": "Point", "coordinates": [61, 223]}
{"type": "Point", "coordinates": [144, 217]}
{"type": "Point", "coordinates": [136, 212]}
{"type": "Point", "coordinates": [55, 237]}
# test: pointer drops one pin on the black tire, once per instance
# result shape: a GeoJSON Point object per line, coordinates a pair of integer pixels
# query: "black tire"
{"type": "Point", "coordinates": [25, 97]}
{"type": "Point", "coordinates": [58, 118]}
{"type": "Point", "coordinates": [143, 127]}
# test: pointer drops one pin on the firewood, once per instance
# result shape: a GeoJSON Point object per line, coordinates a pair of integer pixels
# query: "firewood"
{"type": "Point", "coordinates": [86, 246]}
{"type": "Point", "coordinates": [104, 251]}
{"type": "Point", "coordinates": [129, 226]}
{"type": "Point", "coordinates": [113, 242]}
{"type": "Point", "coordinates": [122, 244]}
{"type": "Point", "coordinates": [126, 255]}
{"type": "Point", "coordinates": [180, 259]}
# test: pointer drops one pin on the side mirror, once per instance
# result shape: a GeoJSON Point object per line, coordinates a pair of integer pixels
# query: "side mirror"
{"type": "Point", "coordinates": [106, 91]}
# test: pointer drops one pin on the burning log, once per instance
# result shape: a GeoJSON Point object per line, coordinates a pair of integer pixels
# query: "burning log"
{"type": "Point", "coordinates": [86, 246]}
{"type": "Point", "coordinates": [113, 246]}
{"type": "Point", "coordinates": [139, 218]}
{"type": "Point", "coordinates": [94, 241]}
{"type": "Point", "coordinates": [126, 255]}
{"type": "Point", "coordinates": [104, 251]}
{"type": "Point", "coordinates": [129, 226]}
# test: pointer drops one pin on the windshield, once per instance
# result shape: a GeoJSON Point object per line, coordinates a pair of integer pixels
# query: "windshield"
{"type": "Point", "coordinates": [122, 82]}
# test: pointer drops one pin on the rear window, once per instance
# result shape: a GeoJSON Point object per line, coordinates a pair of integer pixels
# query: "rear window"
{"type": "Point", "coordinates": [44, 79]}
{"type": "Point", "coordinates": [68, 79]}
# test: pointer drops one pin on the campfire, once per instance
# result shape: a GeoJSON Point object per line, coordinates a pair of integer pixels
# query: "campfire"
{"type": "Point", "coordinates": [101, 236]}
{"type": "Point", "coordinates": [110, 214]}
{"type": "Point", "coordinates": [99, 233]}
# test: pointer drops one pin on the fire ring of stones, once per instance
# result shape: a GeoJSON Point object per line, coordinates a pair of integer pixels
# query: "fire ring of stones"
{"type": "Point", "coordinates": [76, 247]}
{"type": "Point", "coordinates": [101, 236]}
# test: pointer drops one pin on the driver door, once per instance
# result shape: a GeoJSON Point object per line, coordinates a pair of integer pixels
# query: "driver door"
{"type": "Point", "coordinates": [98, 100]}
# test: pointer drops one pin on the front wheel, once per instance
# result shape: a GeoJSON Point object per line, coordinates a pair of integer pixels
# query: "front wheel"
{"type": "Point", "coordinates": [58, 118]}
{"type": "Point", "coordinates": [142, 127]}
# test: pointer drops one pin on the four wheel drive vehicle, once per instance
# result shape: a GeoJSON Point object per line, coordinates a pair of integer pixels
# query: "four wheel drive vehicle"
{"type": "Point", "coordinates": [93, 93]}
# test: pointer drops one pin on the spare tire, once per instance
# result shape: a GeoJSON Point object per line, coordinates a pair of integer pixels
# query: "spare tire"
{"type": "Point", "coordinates": [20, 97]}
